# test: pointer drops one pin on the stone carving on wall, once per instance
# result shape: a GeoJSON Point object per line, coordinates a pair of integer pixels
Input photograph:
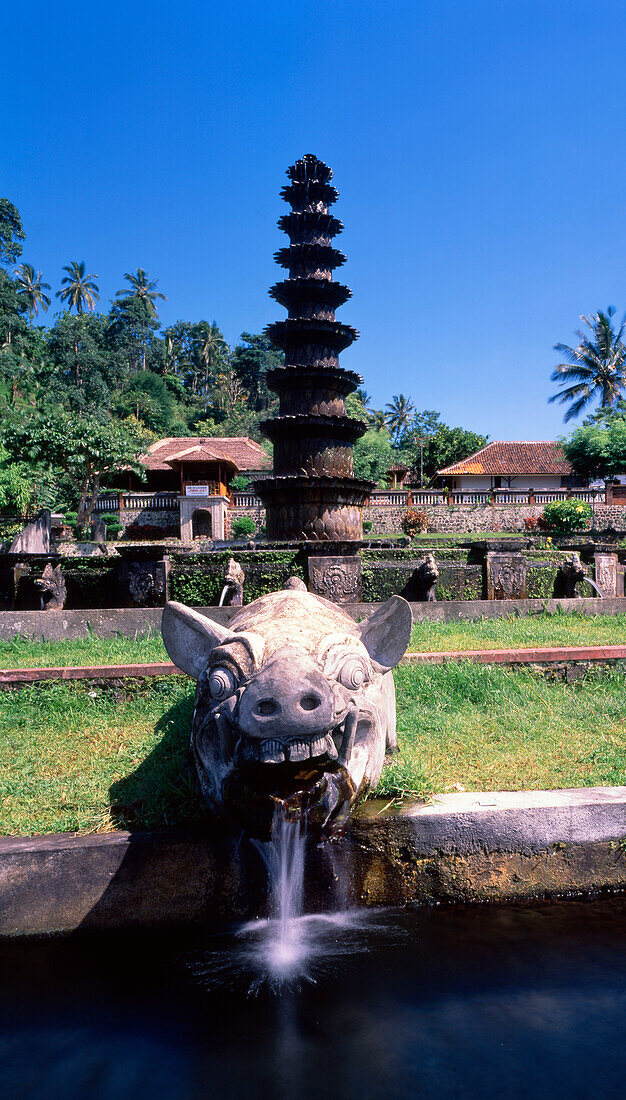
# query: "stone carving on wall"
{"type": "Point", "coordinates": [234, 578]}
{"type": "Point", "coordinates": [606, 573]}
{"type": "Point", "coordinates": [337, 578]}
{"type": "Point", "coordinates": [424, 580]}
{"type": "Point", "coordinates": [52, 587]}
{"type": "Point", "coordinates": [506, 576]}
{"type": "Point", "coordinates": [570, 574]}
{"type": "Point", "coordinates": [295, 704]}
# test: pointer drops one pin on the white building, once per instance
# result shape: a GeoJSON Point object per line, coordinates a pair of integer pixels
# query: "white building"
{"type": "Point", "coordinates": [504, 465]}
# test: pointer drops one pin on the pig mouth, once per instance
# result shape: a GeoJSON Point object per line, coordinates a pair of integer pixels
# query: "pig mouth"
{"type": "Point", "coordinates": [316, 749]}
{"type": "Point", "coordinates": [305, 775]}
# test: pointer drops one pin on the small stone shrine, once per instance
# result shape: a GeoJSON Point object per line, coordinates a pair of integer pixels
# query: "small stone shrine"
{"type": "Point", "coordinates": [606, 574]}
{"type": "Point", "coordinates": [313, 495]}
{"type": "Point", "coordinates": [506, 576]}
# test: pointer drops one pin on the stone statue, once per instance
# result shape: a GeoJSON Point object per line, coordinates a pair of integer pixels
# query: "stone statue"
{"type": "Point", "coordinates": [234, 577]}
{"type": "Point", "coordinates": [569, 575]}
{"type": "Point", "coordinates": [294, 584]}
{"type": "Point", "coordinates": [53, 590]}
{"type": "Point", "coordinates": [424, 580]}
{"type": "Point", "coordinates": [295, 704]}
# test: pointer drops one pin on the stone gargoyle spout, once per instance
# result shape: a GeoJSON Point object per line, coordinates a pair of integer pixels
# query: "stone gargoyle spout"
{"type": "Point", "coordinates": [295, 704]}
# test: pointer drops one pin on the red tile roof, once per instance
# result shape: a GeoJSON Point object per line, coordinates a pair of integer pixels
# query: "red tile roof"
{"type": "Point", "coordinates": [513, 458]}
{"type": "Point", "coordinates": [242, 452]}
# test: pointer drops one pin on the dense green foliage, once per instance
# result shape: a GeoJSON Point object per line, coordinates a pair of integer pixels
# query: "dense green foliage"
{"type": "Point", "coordinates": [116, 378]}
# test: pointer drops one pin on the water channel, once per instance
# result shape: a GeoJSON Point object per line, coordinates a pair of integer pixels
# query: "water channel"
{"type": "Point", "coordinates": [459, 1002]}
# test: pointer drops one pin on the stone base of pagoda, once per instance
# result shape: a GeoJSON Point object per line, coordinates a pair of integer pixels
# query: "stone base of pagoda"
{"type": "Point", "coordinates": [315, 509]}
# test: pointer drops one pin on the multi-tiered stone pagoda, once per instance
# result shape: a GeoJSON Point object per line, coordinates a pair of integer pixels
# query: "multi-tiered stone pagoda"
{"type": "Point", "coordinates": [313, 494]}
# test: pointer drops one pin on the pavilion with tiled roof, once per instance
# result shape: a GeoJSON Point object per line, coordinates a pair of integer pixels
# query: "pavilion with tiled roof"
{"type": "Point", "coordinates": [510, 465]}
{"type": "Point", "coordinates": [179, 462]}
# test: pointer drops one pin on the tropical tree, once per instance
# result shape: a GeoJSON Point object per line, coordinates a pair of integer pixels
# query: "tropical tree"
{"type": "Point", "coordinates": [399, 411]}
{"type": "Point", "coordinates": [80, 291]}
{"type": "Point", "coordinates": [595, 369]}
{"type": "Point", "coordinates": [11, 232]}
{"type": "Point", "coordinates": [142, 287]}
{"type": "Point", "coordinates": [213, 356]}
{"type": "Point", "coordinates": [31, 287]}
{"type": "Point", "coordinates": [83, 449]}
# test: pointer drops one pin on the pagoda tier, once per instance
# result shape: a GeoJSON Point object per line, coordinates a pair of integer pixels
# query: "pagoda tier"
{"type": "Point", "coordinates": [313, 495]}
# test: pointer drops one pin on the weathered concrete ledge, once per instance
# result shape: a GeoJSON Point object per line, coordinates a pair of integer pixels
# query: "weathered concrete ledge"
{"type": "Point", "coordinates": [477, 847]}
{"type": "Point", "coordinates": [54, 626]}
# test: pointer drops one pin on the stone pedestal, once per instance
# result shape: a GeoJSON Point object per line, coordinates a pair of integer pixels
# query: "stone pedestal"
{"type": "Point", "coordinates": [336, 578]}
{"type": "Point", "coordinates": [203, 516]}
{"type": "Point", "coordinates": [606, 575]}
{"type": "Point", "coordinates": [506, 576]}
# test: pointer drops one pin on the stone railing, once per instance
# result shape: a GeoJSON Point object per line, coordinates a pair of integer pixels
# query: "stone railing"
{"type": "Point", "coordinates": [392, 498]}
{"type": "Point", "coordinates": [246, 499]}
{"type": "Point", "coordinates": [137, 502]}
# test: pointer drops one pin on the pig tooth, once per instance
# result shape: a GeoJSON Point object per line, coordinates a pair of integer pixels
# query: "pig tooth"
{"type": "Point", "coordinates": [298, 750]}
{"type": "Point", "coordinates": [318, 747]}
{"type": "Point", "coordinates": [271, 752]}
{"type": "Point", "coordinates": [330, 747]}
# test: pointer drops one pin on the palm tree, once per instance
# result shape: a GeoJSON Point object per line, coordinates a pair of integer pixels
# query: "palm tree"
{"type": "Point", "coordinates": [595, 370]}
{"type": "Point", "coordinates": [142, 287]}
{"type": "Point", "coordinates": [80, 289]}
{"type": "Point", "coordinates": [378, 419]}
{"type": "Point", "coordinates": [31, 286]}
{"type": "Point", "coordinates": [213, 350]}
{"type": "Point", "coordinates": [399, 411]}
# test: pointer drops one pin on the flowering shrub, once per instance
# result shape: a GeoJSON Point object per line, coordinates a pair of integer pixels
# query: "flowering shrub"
{"type": "Point", "coordinates": [531, 523]}
{"type": "Point", "coordinates": [565, 516]}
{"type": "Point", "coordinates": [414, 520]}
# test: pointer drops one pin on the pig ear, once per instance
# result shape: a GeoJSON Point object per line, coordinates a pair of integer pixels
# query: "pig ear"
{"type": "Point", "coordinates": [189, 637]}
{"type": "Point", "coordinates": [386, 633]}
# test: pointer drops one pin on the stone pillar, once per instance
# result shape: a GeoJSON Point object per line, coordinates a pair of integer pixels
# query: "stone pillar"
{"type": "Point", "coordinates": [337, 578]}
{"type": "Point", "coordinates": [506, 576]}
{"type": "Point", "coordinates": [606, 573]}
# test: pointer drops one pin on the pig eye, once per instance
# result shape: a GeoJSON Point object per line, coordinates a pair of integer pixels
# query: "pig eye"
{"type": "Point", "coordinates": [353, 672]}
{"type": "Point", "coordinates": [222, 682]}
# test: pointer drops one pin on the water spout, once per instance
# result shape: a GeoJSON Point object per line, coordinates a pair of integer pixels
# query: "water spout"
{"type": "Point", "coordinates": [594, 585]}
{"type": "Point", "coordinates": [223, 596]}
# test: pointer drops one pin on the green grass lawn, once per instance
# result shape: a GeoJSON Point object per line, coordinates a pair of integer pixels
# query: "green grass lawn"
{"type": "Point", "coordinates": [20, 653]}
{"type": "Point", "coordinates": [77, 760]}
{"type": "Point", "coordinates": [515, 632]}
{"type": "Point", "coordinates": [511, 633]}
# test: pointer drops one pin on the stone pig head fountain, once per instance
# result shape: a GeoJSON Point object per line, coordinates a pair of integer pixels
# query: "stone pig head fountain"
{"type": "Point", "coordinates": [295, 704]}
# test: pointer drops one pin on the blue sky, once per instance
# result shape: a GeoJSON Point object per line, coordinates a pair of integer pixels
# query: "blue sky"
{"type": "Point", "coordinates": [477, 147]}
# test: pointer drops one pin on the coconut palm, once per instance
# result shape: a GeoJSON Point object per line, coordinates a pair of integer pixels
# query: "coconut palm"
{"type": "Point", "coordinates": [399, 411]}
{"type": "Point", "coordinates": [378, 419]}
{"type": "Point", "coordinates": [596, 369]}
{"type": "Point", "coordinates": [80, 289]}
{"type": "Point", "coordinates": [30, 285]}
{"type": "Point", "coordinates": [142, 287]}
{"type": "Point", "coordinates": [213, 351]}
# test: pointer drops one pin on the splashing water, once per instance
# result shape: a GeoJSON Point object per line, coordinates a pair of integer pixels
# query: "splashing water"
{"type": "Point", "coordinates": [285, 858]}
{"type": "Point", "coordinates": [290, 947]}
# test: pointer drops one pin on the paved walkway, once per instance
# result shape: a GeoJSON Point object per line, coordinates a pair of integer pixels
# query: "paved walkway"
{"type": "Point", "coordinates": [544, 655]}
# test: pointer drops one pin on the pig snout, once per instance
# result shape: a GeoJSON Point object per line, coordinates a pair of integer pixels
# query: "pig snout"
{"type": "Point", "coordinates": [288, 696]}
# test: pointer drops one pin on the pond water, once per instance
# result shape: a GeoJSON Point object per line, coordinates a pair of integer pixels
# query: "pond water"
{"type": "Point", "coordinates": [464, 1002]}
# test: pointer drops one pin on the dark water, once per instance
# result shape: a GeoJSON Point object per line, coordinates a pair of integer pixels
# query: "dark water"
{"type": "Point", "coordinates": [480, 1002]}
